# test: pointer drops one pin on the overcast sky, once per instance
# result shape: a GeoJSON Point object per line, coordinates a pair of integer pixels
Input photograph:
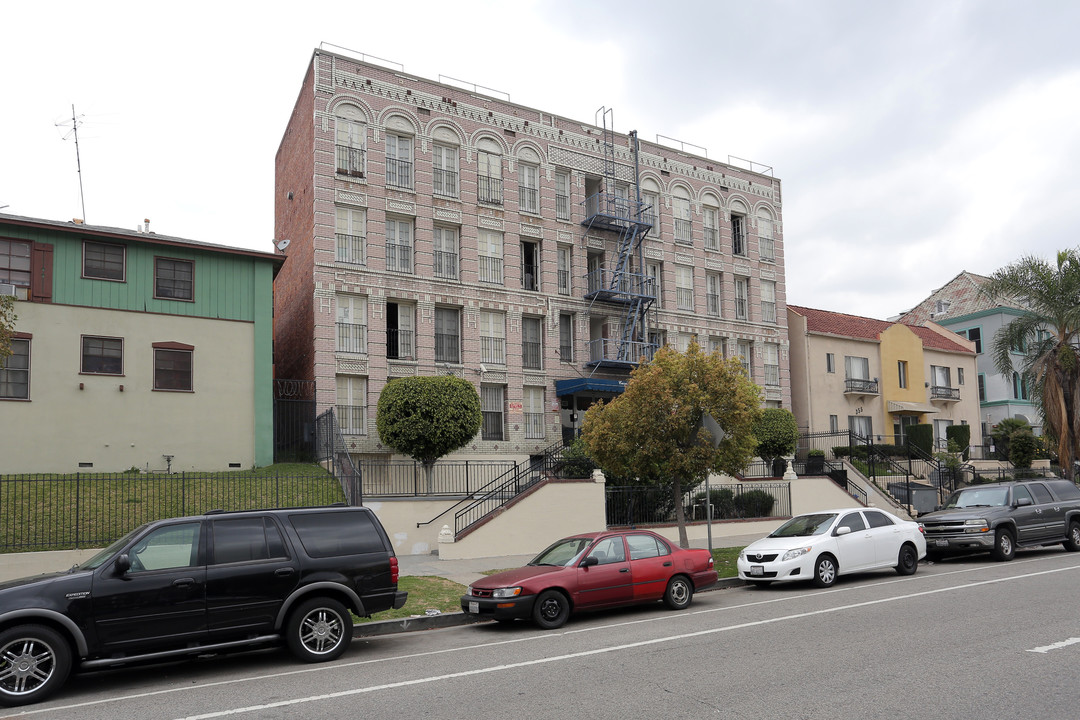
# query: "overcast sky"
{"type": "Point", "coordinates": [913, 139]}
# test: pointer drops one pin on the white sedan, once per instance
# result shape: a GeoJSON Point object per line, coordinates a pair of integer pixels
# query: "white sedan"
{"type": "Point", "coordinates": [821, 546]}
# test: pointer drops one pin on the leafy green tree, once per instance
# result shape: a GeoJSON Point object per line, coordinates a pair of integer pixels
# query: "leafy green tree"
{"type": "Point", "coordinates": [7, 326]}
{"type": "Point", "coordinates": [1046, 333]}
{"type": "Point", "coordinates": [777, 433]}
{"type": "Point", "coordinates": [428, 417]}
{"type": "Point", "coordinates": [653, 432]}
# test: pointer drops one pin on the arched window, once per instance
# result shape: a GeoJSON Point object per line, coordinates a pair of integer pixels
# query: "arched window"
{"type": "Point", "coordinates": [350, 140]}
{"type": "Point", "coordinates": [680, 205]}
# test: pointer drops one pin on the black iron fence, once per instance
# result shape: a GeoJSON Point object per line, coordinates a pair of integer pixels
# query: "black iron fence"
{"type": "Point", "coordinates": [58, 512]}
{"type": "Point", "coordinates": [655, 505]}
{"type": "Point", "coordinates": [409, 479]}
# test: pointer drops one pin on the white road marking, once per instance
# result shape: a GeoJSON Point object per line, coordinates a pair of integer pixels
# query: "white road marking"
{"type": "Point", "coordinates": [603, 650]}
{"type": "Point", "coordinates": [1055, 646]}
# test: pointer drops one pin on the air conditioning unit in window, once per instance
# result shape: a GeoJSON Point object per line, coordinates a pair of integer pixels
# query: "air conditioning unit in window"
{"type": "Point", "coordinates": [7, 289]}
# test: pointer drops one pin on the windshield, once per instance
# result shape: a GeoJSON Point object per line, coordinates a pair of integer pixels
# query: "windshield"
{"type": "Point", "coordinates": [979, 497]}
{"type": "Point", "coordinates": [805, 525]}
{"type": "Point", "coordinates": [562, 553]}
{"type": "Point", "coordinates": [100, 559]}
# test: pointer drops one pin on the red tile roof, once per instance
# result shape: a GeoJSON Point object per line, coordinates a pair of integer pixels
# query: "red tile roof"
{"type": "Point", "coordinates": [854, 326]}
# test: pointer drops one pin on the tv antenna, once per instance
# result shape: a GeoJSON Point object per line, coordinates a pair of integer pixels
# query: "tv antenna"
{"type": "Point", "coordinates": [75, 121]}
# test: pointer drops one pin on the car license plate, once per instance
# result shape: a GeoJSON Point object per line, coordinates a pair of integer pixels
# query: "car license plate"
{"type": "Point", "coordinates": [941, 543]}
{"type": "Point", "coordinates": [474, 608]}
{"type": "Point", "coordinates": [757, 570]}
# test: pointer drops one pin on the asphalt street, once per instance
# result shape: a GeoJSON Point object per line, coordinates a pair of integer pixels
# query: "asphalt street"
{"type": "Point", "coordinates": [960, 638]}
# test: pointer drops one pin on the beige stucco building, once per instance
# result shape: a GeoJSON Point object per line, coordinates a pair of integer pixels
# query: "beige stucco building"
{"type": "Point", "coordinates": [877, 378]}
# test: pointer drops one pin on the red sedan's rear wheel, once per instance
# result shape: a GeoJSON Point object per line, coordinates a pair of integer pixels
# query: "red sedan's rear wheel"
{"type": "Point", "coordinates": [679, 593]}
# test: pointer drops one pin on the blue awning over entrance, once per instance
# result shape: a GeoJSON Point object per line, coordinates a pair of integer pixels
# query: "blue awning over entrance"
{"type": "Point", "coordinates": [589, 385]}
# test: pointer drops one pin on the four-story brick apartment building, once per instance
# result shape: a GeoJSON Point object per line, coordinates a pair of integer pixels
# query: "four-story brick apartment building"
{"type": "Point", "coordinates": [433, 229]}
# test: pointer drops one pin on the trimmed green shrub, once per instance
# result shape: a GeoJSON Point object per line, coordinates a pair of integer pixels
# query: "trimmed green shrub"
{"type": "Point", "coordinates": [922, 436]}
{"type": "Point", "coordinates": [841, 451]}
{"type": "Point", "coordinates": [961, 435]}
{"type": "Point", "coordinates": [723, 503]}
{"type": "Point", "coordinates": [777, 433]}
{"type": "Point", "coordinates": [576, 462]}
{"type": "Point", "coordinates": [754, 504]}
{"type": "Point", "coordinates": [1022, 448]}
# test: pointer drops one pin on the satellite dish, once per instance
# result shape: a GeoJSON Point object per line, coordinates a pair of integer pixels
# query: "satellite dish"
{"type": "Point", "coordinates": [282, 244]}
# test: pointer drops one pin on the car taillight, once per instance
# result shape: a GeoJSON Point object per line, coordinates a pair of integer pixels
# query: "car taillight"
{"type": "Point", "coordinates": [393, 569]}
{"type": "Point", "coordinates": [710, 560]}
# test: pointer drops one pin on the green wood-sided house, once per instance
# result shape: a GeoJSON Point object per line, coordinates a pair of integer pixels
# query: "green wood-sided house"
{"type": "Point", "coordinates": [134, 350]}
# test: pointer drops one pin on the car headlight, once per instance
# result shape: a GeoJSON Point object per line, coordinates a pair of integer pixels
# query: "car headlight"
{"type": "Point", "coordinates": [468, 590]}
{"type": "Point", "coordinates": [506, 592]}
{"type": "Point", "coordinates": [977, 525]}
{"type": "Point", "coordinates": [794, 553]}
{"type": "Point", "coordinates": [742, 554]}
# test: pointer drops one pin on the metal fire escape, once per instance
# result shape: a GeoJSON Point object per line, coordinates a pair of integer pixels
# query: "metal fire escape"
{"type": "Point", "coordinates": [625, 283]}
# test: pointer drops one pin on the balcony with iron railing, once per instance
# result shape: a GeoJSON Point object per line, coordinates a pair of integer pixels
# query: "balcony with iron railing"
{"type": "Point", "coordinates": [767, 249]}
{"type": "Point", "coordinates": [713, 304]}
{"type": "Point", "coordinates": [712, 238]}
{"type": "Point", "coordinates": [564, 282]}
{"type": "Point", "coordinates": [352, 419]}
{"type": "Point", "coordinates": [351, 337]}
{"type": "Point", "coordinates": [684, 298]}
{"type": "Point", "coordinates": [350, 248]}
{"type": "Point", "coordinates": [493, 350]}
{"type": "Point", "coordinates": [566, 352]}
{"type": "Point", "coordinates": [860, 386]}
{"type": "Point", "coordinates": [608, 211]}
{"type": "Point", "coordinates": [399, 344]}
{"type": "Point", "coordinates": [528, 199]}
{"type": "Point", "coordinates": [491, 269]}
{"type": "Point", "coordinates": [944, 393]}
{"type": "Point", "coordinates": [529, 279]}
{"type": "Point", "coordinates": [445, 264]}
{"type": "Point", "coordinates": [444, 182]}
{"type": "Point", "coordinates": [531, 355]}
{"type": "Point", "coordinates": [619, 287]}
{"type": "Point", "coordinates": [399, 257]}
{"type": "Point", "coordinates": [489, 190]}
{"type": "Point", "coordinates": [350, 161]}
{"type": "Point", "coordinates": [738, 243]}
{"type": "Point", "coordinates": [683, 231]}
{"type": "Point", "coordinates": [447, 348]}
{"type": "Point", "coordinates": [562, 207]}
{"type": "Point", "coordinates": [740, 308]}
{"type": "Point", "coordinates": [768, 312]}
{"type": "Point", "coordinates": [399, 173]}
{"type": "Point", "coordinates": [614, 352]}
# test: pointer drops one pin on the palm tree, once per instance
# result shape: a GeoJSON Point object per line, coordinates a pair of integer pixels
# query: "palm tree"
{"type": "Point", "coordinates": [1046, 333]}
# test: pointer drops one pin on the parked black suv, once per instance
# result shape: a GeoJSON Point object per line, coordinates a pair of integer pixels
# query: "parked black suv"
{"type": "Point", "coordinates": [193, 585]}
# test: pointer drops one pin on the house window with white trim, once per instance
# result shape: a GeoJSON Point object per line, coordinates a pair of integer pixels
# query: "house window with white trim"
{"type": "Point", "coordinates": [711, 217]}
{"type": "Point", "coordinates": [493, 411]}
{"type": "Point", "coordinates": [684, 287]}
{"type": "Point", "coordinates": [566, 337]}
{"type": "Point", "coordinates": [770, 358]}
{"type": "Point", "coordinates": [349, 140]}
{"type": "Point", "coordinates": [712, 293]}
{"type": "Point", "coordinates": [738, 234]}
{"type": "Point", "coordinates": [445, 252]}
{"type": "Point", "coordinates": [745, 353]}
{"type": "Point", "coordinates": [532, 347]}
{"type": "Point", "coordinates": [533, 405]}
{"type": "Point", "coordinates": [650, 212]}
{"type": "Point", "coordinates": [562, 195]}
{"type": "Point", "coordinates": [447, 335]}
{"type": "Point", "coordinates": [528, 188]}
{"type": "Point", "coordinates": [351, 323]}
{"type": "Point", "coordinates": [444, 170]}
{"type": "Point", "coordinates": [400, 331]}
{"type": "Point", "coordinates": [489, 178]}
{"type": "Point", "coordinates": [655, 273]}
{"type": "Point", "coordinates": [399, 161]}
{"type": "Point", "coordinates": [742, 292]}
{"type": "Point", "coordinates": [565, 254]}
{"type": "Point", "coordinates": [766, 244]}
{"type": "Point", "coordinates": [768, 301]}
{"type": "Point", "coordinates": [680, 206]}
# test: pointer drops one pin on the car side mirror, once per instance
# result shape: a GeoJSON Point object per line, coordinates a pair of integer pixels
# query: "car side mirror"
{"type": "Point", "coordinates": [590, 561]}
{"type": "Point", "coordinates": [123, 564]}
{"type": "Point", "coordinates": [1021, 502]}
{"type": "Point", "coordinates": [842, 531]}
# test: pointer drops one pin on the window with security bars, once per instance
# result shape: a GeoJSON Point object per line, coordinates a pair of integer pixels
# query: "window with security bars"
{"type": "Point", "coordinates": [399, 245]}
{"type": "Point", "coordinates": [492, 337]}
{"type": "Point", "coordinates": [490, 250]}
{"type": "Point", "coordinates": [351, 323]}
{"type": "Point", "coordinates": [655, 273]}
{"type": "Point", "coordinates": [738, 234]}
{"type": "Point", "coordinates": [768, 301]}
{"type": "Point", "coordinates": [492, 407]}
{"type": "Point", "coordinates": [770, 358]}
{"type": "Point", "coordinates": [350, 230]}
{"type": "Point", "coordinates": [400, 331]}
{"type": "Point", "coordinates": [174, 279]}
{"type": "Point", "coordinates": [15, 372]}
{"type": "Point", "coordinates": [444, 170]}
{"type": "Point", "coordinates": [766, 245]}
{"type": "Point", "coordinates": [742, 291]}
{"type": "Point", "coordinates": [528, 188]}
{"type": "Point", "coordinates": [745, 354]}
{"type": "Point", "coordinates": [650, 212]}
{"type": "Point", "coordinates": [532, 350]}
{"type": "Point", "coordinates": [712, 293]}
{"type": "Point", "coordinates": [565, 255]}
{"type": "Point", "coordinates": [489, 178]}
{"type": "Point", "coordinates": [712, 228]}
{"type": "Point", "coordinates": [351, 406]}
{"type": "Point", "coordinates": [684, 287]}
{"type": "Point", "coordinates": [447, 335]}
{"type": "Point", "coordinates": [680, 206]}
{"type": "Point", "coordinates": [445, 252]}
{"type": "Point", "coordinates": [566, 337]}
{"type": "Point", "coordinates": [349, 142]}
{"type": "Point", "coordinates": [562, 196]}
{"type": "Point", "coordinates": [399, 161]}
{"type": "Point", "coordinates": [102, 355]}
{"type": "Point", "coordinates": [533, 406]}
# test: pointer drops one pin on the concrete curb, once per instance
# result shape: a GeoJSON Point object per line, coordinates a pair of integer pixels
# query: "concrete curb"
{"type": "Point", "coordinates": [457, 619]}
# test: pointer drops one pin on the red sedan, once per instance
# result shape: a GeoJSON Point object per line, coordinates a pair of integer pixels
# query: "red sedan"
{"type": "Point", "coordinates": [592, 571]}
